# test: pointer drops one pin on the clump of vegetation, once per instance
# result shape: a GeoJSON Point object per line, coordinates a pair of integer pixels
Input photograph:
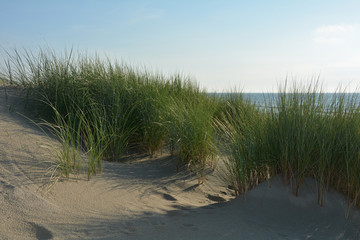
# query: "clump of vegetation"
{"type": "Point", "coordinates": [105, 108]}
{"type": "Point", "coordinates": [192, 132]}
{"type": "Point", "coordinates": [316, 134]}
{"type": "Point", "coordinates": [301, 132]}
{"type": "Point", "coordinates": [242, 125]}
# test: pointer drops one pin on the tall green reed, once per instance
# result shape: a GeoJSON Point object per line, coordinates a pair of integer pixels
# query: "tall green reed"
{"type": "Point", "coordinates": [69, 159]}
{"type": "Point", "coordinates": [242, 127]}
{"type": "Point", "coordinates": [192, 132]}
{"type": "Point", "coordinates": [345, 110]}
{"type": "Point", "coordinates": [292, 130]}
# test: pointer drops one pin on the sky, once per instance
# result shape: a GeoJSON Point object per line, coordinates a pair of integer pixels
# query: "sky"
{"type": "Point", "coordinates": [223, 45]}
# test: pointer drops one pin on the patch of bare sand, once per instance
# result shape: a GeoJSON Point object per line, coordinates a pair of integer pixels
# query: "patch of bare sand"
{"type": "Point", "coordinates": [147, 199]}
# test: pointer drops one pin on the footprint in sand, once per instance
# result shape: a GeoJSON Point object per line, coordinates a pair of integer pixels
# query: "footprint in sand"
{"type": "Point", "coordinates": [5, 186]}
{"type": "Point", "coordinates": [41, 233]}
{"type": "Point", "coordinates": [215, 198]}
{"type": "Point", "coordinates": [169, 197]}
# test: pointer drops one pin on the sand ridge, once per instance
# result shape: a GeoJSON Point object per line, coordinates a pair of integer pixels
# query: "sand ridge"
{"type": "Point", "coordinates": [147, 199]}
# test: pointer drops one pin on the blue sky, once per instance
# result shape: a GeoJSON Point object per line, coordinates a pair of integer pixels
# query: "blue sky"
{"type": "Point", "coordinates": [251, 45]}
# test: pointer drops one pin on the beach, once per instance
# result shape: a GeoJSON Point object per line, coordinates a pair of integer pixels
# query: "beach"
{"type": "Point", "coordinates": [146, 198]}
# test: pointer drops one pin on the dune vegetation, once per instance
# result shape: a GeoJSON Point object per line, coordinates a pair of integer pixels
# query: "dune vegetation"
{"type": "Point", "coordinates": [104, 109]}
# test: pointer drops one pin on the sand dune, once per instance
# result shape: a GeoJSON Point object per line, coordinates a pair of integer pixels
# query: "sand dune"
{"type": "Point", "coordinates": [145, 198]}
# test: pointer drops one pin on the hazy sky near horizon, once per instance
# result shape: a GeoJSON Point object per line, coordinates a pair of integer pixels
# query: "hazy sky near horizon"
{"type": "Point", "coordinates": [253, 45]}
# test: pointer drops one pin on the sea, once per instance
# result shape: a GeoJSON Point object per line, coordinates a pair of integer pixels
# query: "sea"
{"type": "Point", "coordinates": [263, 99]}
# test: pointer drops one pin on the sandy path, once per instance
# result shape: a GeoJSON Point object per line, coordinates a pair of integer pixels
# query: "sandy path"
{"type": "Point", "coordinates": [22, 178]}
{"type": "Point", "coordinates": [147, 199]}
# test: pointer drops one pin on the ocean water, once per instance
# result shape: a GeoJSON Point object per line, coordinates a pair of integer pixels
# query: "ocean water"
{"type": "Point", "coordinates": [263, 99]}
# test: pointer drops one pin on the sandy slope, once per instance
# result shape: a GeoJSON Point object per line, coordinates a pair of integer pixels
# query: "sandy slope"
{"type": "Point", "coordinates": [147, 199]}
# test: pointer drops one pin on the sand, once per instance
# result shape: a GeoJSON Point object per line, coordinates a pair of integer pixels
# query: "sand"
{"type": "Point", "coordinates": [145, 198]}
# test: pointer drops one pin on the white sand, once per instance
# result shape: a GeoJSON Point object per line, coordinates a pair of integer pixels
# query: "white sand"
{"type": "Point", "coordinates": [147, 199]}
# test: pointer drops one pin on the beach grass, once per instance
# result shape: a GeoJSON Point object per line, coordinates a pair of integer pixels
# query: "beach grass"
{"type": "Point", "coordinates": [242, 125]}
{"type": "Point", "coordinates": [104, 108]}
{"type": "Point", "coordinates": [108, 108]}
{"type": "Point", "coordinates": [192, 132]}
{"type": "Point", "coordinates": [302, 132]}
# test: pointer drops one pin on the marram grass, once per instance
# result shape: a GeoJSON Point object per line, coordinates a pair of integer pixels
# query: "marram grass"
{"type": "Point", "coordinates": [301, 133]}
{"type": "Point", "coordinates": [107, 108]}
